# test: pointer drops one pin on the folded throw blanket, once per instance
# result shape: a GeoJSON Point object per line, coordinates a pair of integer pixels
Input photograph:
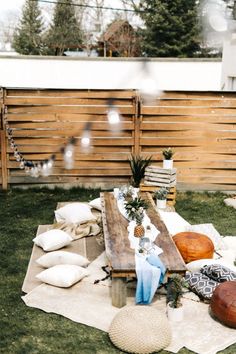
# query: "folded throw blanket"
{"type": "Point", "coordinates": [150, 274]}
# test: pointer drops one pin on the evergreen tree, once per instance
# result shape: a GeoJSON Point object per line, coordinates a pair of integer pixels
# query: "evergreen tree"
{"type": "Point", "coordinates": [64, 32]}
{"type": "Point", "coordinates": [172, 28]}
{"type": "Point", "coordinates": [27, 38]}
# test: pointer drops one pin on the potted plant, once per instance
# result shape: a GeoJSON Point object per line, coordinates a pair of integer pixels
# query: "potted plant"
{"type": "Point", "coordinates": [174, 286]}
{"type": "Point", "coordinates": [161, 196]}
{"type": "Point", "coordinates": [135, 211]}
{"type": "Point", "coordinates": [167, 157]}
{"type": "Point", "coordinates": [138, 164]}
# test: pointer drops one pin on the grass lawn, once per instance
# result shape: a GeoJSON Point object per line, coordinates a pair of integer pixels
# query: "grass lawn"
{"type": "Point", "coordinates": [28, 330]}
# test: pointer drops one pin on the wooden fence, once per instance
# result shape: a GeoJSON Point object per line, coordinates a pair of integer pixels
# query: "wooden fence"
{"type": "Point", "coordinates": [200, 126]}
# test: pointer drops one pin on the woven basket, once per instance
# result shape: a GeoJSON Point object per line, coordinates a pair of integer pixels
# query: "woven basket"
{"type": "Point", "coordinates": [140, 329]}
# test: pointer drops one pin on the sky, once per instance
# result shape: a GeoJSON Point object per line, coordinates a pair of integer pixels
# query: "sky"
{"type": "Point", "coordinates": [16, 5]}
{"type": "Point", "coordinates": [10, 5]}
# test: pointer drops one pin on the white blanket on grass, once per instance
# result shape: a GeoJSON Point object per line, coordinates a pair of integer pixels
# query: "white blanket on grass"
{"type": "Point", "coordinates": [90, 304]}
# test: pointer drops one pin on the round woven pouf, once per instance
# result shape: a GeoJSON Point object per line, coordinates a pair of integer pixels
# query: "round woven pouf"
{"type": "Point", "coordinates": [193, 246]}
{"type": "Point", "coordinates": [140, 329]}
{"type": "Point", "coordinates": [223, 303]}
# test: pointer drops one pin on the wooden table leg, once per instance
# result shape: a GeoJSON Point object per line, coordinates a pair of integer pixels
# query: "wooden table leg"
{"type": "Point", "coordinates": [118, 292]}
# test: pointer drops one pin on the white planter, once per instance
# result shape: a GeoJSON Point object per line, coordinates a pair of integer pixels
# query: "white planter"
{"type": "Point", "coordinates": [161, 204]}
{"type": "Point", "coordinates": [175, 314]}
{"type": "Point", "coordinates": [168, 164]}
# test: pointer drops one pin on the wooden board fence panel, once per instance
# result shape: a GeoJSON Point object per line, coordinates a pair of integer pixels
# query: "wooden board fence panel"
{"type": "Point", "coordinates": [199, 126]}
{"type": "Point", "coordinates": [44, 120]}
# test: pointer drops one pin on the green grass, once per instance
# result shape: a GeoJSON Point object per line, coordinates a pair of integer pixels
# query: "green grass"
{"type": "Point", "coordinates": [28, 330]}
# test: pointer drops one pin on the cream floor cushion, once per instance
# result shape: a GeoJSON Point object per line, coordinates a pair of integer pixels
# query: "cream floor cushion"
{"type": "Point", "coordinates": [140, 329]}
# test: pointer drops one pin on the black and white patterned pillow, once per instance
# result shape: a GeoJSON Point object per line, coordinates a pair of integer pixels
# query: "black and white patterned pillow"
{"type": "Point", "coordinates": [218, 272]}
{"type": "Point", "coordinates": [201, 284]}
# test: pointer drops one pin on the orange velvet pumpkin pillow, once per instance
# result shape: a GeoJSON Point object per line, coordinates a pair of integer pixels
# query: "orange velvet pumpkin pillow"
{"type": "Point", "coordinates": [193, 246]}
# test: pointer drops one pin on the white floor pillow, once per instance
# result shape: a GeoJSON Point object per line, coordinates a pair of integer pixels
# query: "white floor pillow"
{"type": "Point", "coordinates": [96, 204]}
{"type": "Point", "coordinates": [74, 213]}
{"type": "Point", "coordinates": [230, 202]}
{"type": "Point", "coordinates": [62, 257]}
{"type": "Point", "coordinates": [63, 275]}
{"type": "Point", "coordinates": [52, 240]}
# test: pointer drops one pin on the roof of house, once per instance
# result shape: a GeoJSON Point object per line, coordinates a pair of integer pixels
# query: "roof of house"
{"type": "Point", "coordinates": [113, 28]}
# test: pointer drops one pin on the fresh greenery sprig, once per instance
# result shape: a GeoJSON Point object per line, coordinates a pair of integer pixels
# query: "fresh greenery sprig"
{"type": "Point", "coordinates": [138, 165]}
{"type": "Point", "coordinates": [161, 194]}
{"type": "Point", "coordinates": [175, 286]}
{"type": "Point", "coordinates": [168, 153]}
{"type": "Point", "coordinates": [135, 209]}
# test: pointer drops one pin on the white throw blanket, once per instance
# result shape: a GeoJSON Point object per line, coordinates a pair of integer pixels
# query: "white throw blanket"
{"type": "Point", "coordinates": [91, 305]}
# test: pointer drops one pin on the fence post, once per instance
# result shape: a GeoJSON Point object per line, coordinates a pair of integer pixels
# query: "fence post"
{"type": "Point", "coordinates": [137, 121]}
{"type": "Point", "coordinates": [3, 142]}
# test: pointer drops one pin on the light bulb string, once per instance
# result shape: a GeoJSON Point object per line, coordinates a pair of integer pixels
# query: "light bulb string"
{"type": "Point", "coordinates": [43, 167]}
{"type": "Point", "coordinates": [32, 167]}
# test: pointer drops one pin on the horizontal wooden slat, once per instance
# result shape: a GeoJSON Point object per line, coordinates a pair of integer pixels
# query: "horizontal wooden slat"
{"type": "Point", "coordinates": [187, 126]}
{"type": "Point", "coordinates": [69, 126]}
{"type": "Point", "coordinates": [72, 93]}
{"type": "Point", "coordinates": [160, 134]}
{"type": "Point", "coordinates": [187, 110]}
{"type": "Point", "coordinates": [203, 118]}
{"type": "Point", "coordinates": [59, 101]}
{"type": "Point", "coordinates": [214, 102]}
{"type": "Point", "coordinates": [72, 109]}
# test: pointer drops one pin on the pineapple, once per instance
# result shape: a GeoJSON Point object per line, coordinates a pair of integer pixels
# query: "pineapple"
{"type": "Point", "coordinates": [135, 211]}
{"type": "Point", "coordinates": [139, 229]}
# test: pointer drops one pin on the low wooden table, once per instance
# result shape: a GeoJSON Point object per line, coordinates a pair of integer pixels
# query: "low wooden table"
{"type": "Point", "coordinates": [121, 256]}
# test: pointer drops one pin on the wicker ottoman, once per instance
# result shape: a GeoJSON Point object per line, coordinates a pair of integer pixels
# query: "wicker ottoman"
{"type": "Point", "coordinates": [140, 329]}
{"type": "Point", "coordinates": [223, 303]}
{"type": "Point", "coordinates": [193, 246]}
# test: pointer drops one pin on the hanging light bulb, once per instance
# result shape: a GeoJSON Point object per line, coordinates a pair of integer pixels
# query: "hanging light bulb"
{"type": "Point", "coordinates": [46, 168]}
{"type": "Point", "coordinates": [68, 154]}
{"type": "Point", "coordinates": [86, 136]}
{"type": "Point", "coordinates": [34, 172]}
{"type": "Point", "coordinates": [22, 164]}
{"type": "Point", "coordinates": [148, 86]}
{"type": "Point", "coordinates": [113, 115]}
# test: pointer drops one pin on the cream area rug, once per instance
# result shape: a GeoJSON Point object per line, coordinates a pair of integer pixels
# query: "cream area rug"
{"type": "Point", "coordinates": [90, 304]}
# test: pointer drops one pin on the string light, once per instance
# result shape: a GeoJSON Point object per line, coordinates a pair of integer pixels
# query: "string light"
{"type": "Point", "coordinates": [148, 86]}
{"type": "Point", "coordinates": [86, 136]}
{"type": "Point", "coordinates": [113, 113]}
{"type": "Point", "coordinates": [34, 169]}
{"type": "Point", "coordinates": [44, 168]}
{"type": "Point", "coordinates": [68, 153]}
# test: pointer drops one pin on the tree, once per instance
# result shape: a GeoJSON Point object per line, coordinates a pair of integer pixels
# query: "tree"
{"type": "Point", "coordinates": [64, 32]}
{"type": "Point", "coordinates": [27, 38]}
{"type": "Point", "coordinates": [231, 4]}
{"type": "Point", "coordinates": [172, 28]}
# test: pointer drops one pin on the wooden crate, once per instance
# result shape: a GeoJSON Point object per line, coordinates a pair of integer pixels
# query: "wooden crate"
{"type": "Point", "coordinates": [171, 197]}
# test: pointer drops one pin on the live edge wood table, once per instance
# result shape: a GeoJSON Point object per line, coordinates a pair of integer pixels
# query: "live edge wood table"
{"type": "Point", "coordinates": [121, 257]}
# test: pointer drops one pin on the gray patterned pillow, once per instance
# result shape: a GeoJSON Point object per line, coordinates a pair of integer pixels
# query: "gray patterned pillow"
{"type": "Point", "coordinates": [201, 284]}
{"type": "Point", "coordinates": [218, 272]}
